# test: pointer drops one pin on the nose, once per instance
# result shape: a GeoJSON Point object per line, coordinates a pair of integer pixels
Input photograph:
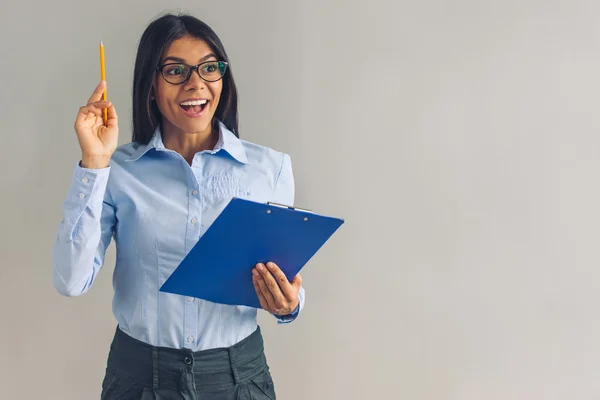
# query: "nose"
{"type": "Point", "coordinates": [195, 82]}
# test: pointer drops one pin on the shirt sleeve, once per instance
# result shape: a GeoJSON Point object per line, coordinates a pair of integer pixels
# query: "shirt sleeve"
{"type": "Point", "coordinates": [84, 233]}
{"type": "Point", "coordinates": [284, 194]}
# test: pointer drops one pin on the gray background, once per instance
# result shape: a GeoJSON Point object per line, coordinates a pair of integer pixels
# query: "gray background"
{"type": "Point", "coordinates": [459, 140]}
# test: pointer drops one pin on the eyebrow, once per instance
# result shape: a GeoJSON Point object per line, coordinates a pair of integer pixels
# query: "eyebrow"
{"type": "Point", "coordinates": [181, 60]}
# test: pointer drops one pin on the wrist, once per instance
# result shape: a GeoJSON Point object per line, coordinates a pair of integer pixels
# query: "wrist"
{"type": "Point", "coordinates": [94, 162]}
{"type": "Point", "coordinates": [293, 308]}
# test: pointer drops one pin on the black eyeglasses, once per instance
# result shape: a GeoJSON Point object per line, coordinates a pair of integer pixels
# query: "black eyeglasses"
{"type": "Point", "coordinates": [178, 73]}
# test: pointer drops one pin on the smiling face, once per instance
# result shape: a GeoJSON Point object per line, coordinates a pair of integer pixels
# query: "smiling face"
{"type": "Point", "coordinates": [187, 108]}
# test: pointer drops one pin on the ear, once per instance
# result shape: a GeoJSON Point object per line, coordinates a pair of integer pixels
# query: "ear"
{"type": "Point", "coordinates": [153, 90]}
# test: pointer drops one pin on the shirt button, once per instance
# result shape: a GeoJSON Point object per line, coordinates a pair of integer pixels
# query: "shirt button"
{"type": "Point", "coordinates": [81, 195]}
{"type": "Point", "coordinates": [194, 220]}
{"type": "Point", "coordinates": [85, 179]}
{"type": "Point", "coordinates": [195, 193]}
{"type": "Point", "coordinates": [190, 339]}
{"type": "Point", "coordinates": [190, 299]}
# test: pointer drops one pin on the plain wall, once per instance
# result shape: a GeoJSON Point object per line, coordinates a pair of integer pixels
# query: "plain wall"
{"type": "Point", "coordinates": [458, 139]}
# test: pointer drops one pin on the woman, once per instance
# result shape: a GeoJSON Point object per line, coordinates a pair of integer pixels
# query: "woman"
{"type": "Point", "coordinates": [156, 196]}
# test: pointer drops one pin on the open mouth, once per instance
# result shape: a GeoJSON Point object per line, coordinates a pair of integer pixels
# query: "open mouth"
{"type": "Point", "coordinates": [194, 106]}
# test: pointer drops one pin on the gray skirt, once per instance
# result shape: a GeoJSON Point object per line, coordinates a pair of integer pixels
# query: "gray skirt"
{"type": "Point", "coordinates": [136, 370]}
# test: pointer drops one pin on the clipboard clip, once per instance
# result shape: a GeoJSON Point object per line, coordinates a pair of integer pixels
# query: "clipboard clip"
{"type": "Point", "coordinates": [289, 207]}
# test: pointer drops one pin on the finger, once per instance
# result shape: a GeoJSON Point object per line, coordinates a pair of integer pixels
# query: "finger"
{"type": "Point", "coordinates": [101, 104]}
{"type": "Point", "coordinates": [297, 282]}
{"type": "Point", "coordinates": [91, 111]}
{"type": "Point", "coordinates": [95, 110]}
{"type": "Point", "coordinates": [266, 295]}
{"type": "Point", "coordinates": [282, 281]}
{"type": "Point", "coordinates": [261, 298]}
{"type": "Point", "coordinates": [97, 95]}
{"type": "Point", "coordinates": [265, 291]}
{"type": "Point", "coordinates": [113, 119]}
{"type": "Point", "coordinates": [273, 287]}
{"type": "Point", "coordinates": [86, 110]}
{"type": "Point", "coordinates": [84, 115]}
{"type": "Point", "coordinates": [99, 121]}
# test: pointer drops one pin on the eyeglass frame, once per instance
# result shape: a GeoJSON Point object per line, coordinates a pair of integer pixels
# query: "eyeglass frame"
{"type": "Point", "coordinates": [192, 68]}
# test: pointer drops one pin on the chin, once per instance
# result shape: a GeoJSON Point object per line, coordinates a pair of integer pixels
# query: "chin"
{"type": "Point", "coordinates": [197, 127]}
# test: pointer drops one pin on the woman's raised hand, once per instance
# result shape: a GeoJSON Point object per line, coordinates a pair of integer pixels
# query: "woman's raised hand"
{"type": "Point", "coordinates": [97, 140]}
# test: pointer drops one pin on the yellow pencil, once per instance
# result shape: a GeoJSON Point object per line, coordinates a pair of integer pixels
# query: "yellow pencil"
{"type": "Point", "coordinates": [103, 77]}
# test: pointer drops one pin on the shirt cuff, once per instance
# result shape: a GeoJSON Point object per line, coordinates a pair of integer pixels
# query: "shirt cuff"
{"type": "Point", "coordinates": [87, 188]}
{"type": "Point", "coordinates": [286, 319]}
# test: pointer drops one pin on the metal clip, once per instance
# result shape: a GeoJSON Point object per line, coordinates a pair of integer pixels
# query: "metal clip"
{"type": "Point", "coordinates": [289, 207]}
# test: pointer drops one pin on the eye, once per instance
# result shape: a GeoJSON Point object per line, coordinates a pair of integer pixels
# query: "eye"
{"type": "Point", "coordinates": [176, 70]}
{"type": "Point", "coordinates": [210, 67]}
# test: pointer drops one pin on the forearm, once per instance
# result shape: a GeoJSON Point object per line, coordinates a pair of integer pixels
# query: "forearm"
{"type": "Point", "coordinates": [79, 247]}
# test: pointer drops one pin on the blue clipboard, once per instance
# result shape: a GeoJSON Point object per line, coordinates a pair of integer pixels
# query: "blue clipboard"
{"type": "Point", "coordinates": [219, 267]}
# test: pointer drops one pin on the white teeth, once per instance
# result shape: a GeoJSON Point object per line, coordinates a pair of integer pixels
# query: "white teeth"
{"type": "Point", "coordinates": [194, 103]}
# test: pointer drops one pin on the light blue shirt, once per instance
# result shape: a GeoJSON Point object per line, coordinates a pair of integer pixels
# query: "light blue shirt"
{"type": "Point", "coordinates": [156, 207]}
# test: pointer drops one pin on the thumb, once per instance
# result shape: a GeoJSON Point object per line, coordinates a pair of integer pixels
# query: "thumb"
{"type": "Point", "coordinates": [112, 116]}
{"type": "Point", "coordinates": [297, 281]}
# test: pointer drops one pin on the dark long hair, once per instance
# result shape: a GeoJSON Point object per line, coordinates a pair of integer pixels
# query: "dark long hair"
{"type": "Point", "coordinates": [159, 34]}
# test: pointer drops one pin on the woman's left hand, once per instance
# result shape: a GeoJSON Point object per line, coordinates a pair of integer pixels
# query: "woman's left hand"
{"type": "Point", "coordinates": [277, 295]}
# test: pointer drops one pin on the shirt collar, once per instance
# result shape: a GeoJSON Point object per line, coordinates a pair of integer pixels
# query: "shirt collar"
{"type": "Point", "coordinates": [227, 142]}
{"type": "Point", "coordinates": [231, 144]}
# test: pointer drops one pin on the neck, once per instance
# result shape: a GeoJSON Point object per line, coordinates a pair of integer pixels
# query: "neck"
{"type": "Point", "coordinates": [188, 144]}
